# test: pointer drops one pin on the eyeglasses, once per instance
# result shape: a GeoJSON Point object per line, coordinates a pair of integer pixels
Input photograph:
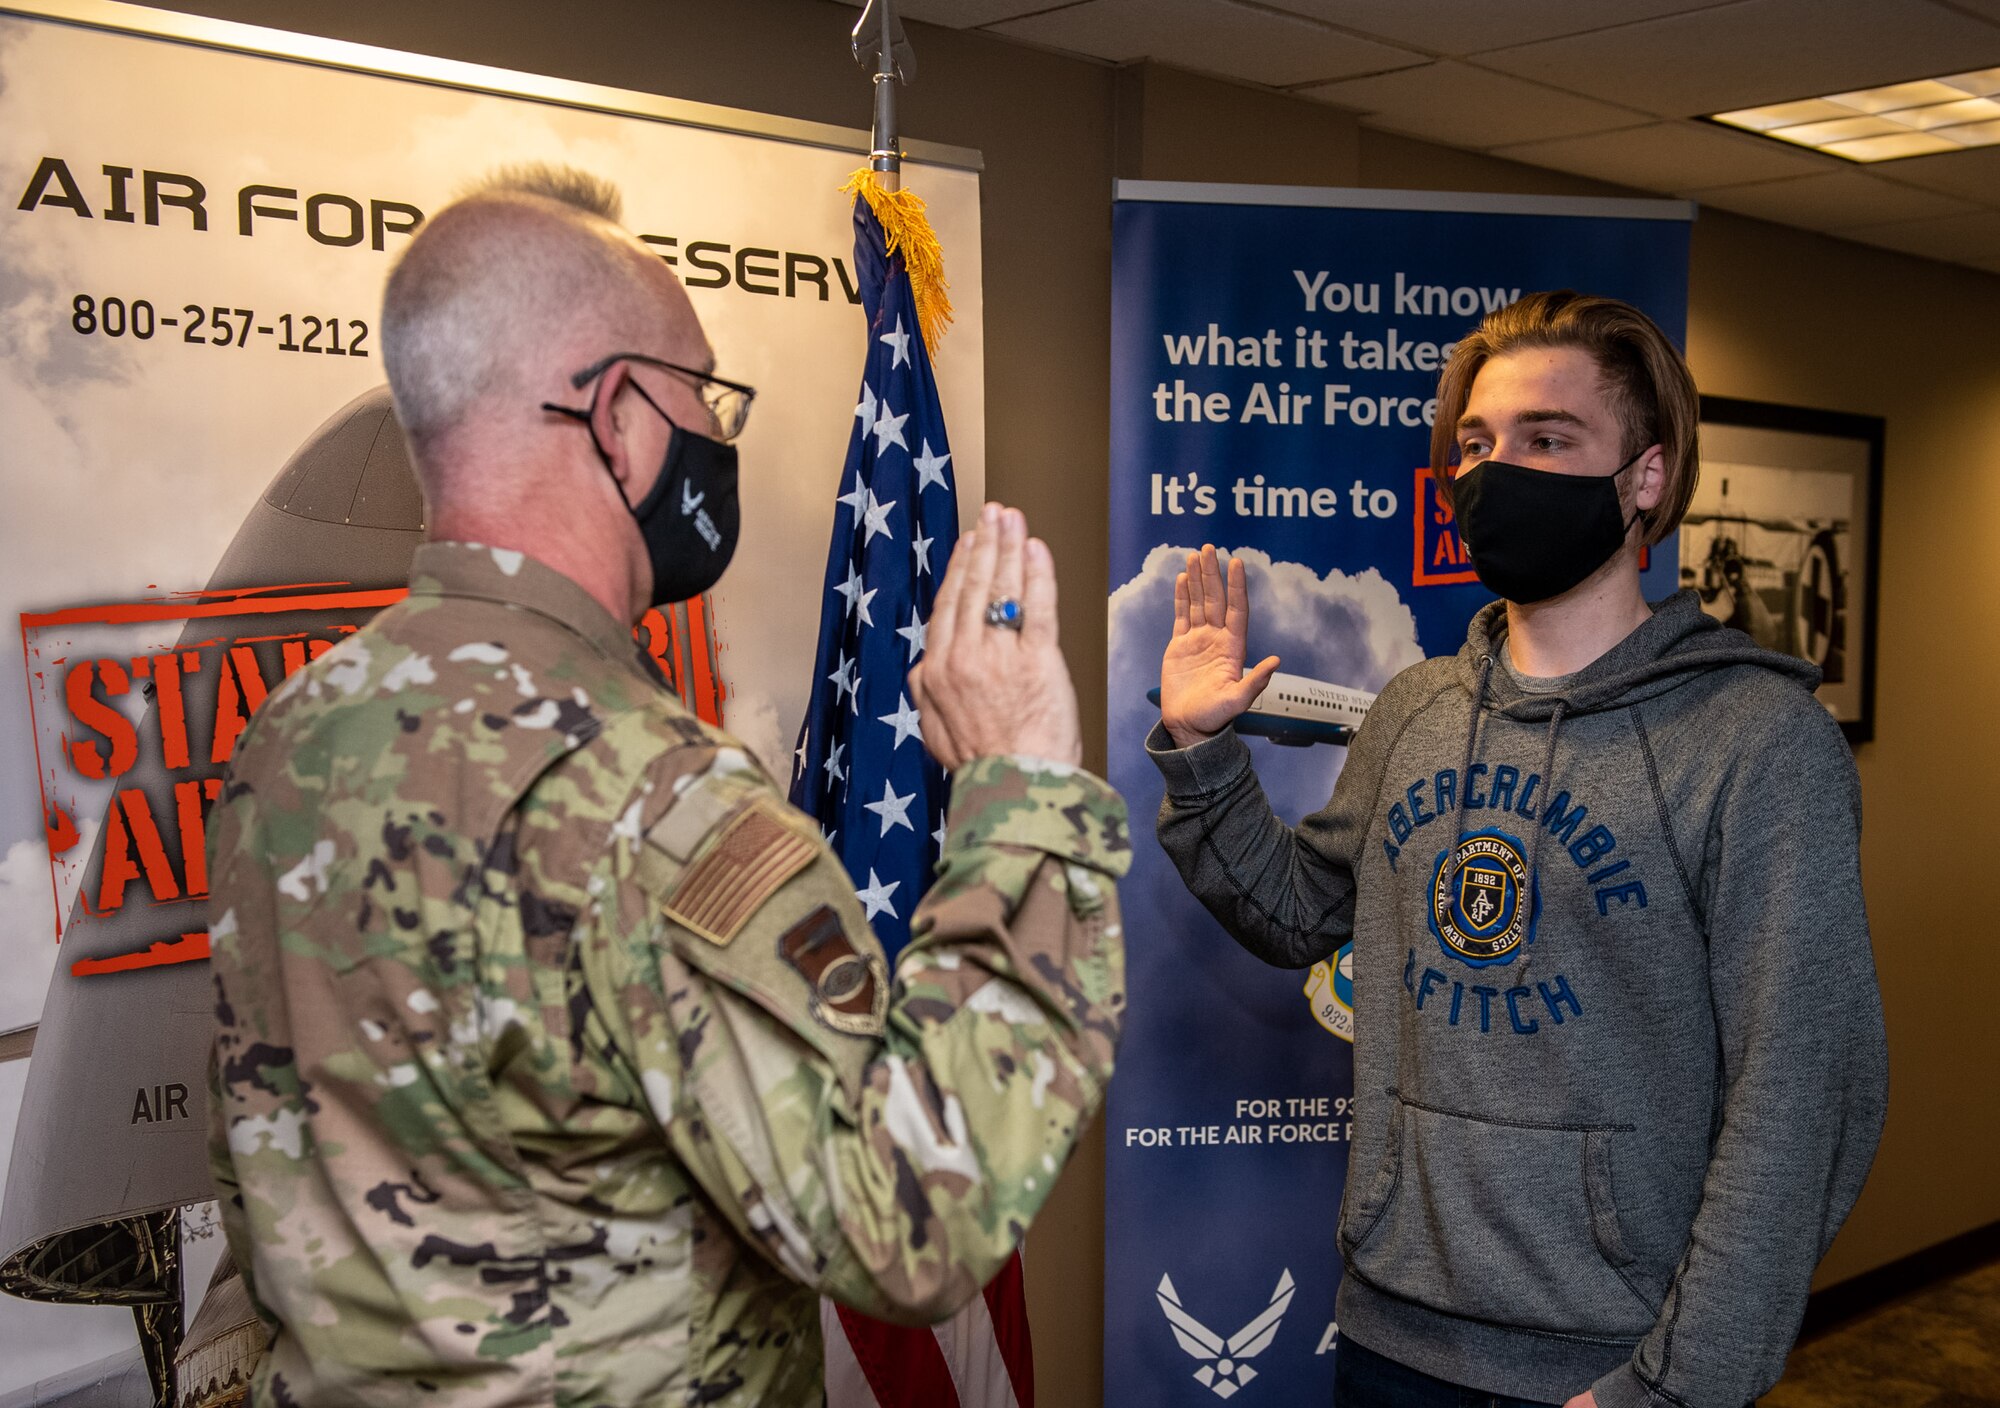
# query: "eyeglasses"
{"type": "Point", "coordinates": [728, 402]}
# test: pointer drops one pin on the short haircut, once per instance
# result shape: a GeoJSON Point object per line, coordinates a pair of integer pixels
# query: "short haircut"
{"type": "Point", "coordinates": [527, 266]}
{"type": "Point", "coordinates": [1644, 374]}
{"type": "Point", "coordinates": [564, 184]}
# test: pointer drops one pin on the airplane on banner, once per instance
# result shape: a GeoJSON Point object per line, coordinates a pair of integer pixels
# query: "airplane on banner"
{"type": "Point", "coordinates": [1296, 712]}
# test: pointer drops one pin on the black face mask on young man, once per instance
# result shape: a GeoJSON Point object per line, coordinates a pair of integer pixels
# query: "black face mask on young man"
{"type": "Point", "coordinates": [1534, 534]}
{"type": "Point", "coordinates": [689, 518]}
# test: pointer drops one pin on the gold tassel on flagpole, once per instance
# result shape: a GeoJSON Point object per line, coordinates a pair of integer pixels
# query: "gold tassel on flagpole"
{"type": "Point", "coordinates": [909, 229]}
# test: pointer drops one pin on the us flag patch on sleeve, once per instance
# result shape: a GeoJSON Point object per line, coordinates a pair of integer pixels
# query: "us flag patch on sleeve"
{"type": "Point", "coordinates": [754, 853]}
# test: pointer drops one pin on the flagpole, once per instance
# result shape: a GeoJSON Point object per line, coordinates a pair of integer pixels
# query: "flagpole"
{"type": "Point", "coordinates": [889, 52]}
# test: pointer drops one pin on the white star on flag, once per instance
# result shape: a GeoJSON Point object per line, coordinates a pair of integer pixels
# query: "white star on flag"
{"type": "Point", "coordinates": [922, 547]}
{"type": "Point", "coordinates": [834, 771]}
{"type": "Point", "coordinates": [894, 810]}
{"type": "Point", "coordinates": [876, 896]}
{"type": "Point", "coordinates": [904, 720]}
{"type": "Point", "coordinates": [877, 515]}
{"type": "Point", "coordinates": [849, 587]}
{"type": "Point", "coordinates": [857, 599]}
{"type": "Point", "coordinates": [865, 412]}
{"type": "Point", "coordinates": [930, 467]}
{"type": "Point", "coordinates": [900, 342]}
{"type": "Point", "coordinates": [889, 428]}
{"type": "Point", "coordinates": [914, 633]}
{"type": "Point", "coordinates": [938, 836]}
{"type": "Point", "coordinates": [855, 499]}
{"type": "Point", "coordinates": [842, 679]}
{"type": "Point", "coordinates": [800, 754]}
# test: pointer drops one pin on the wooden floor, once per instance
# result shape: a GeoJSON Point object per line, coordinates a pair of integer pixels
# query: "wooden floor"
{"type": "Point", "coordinates": [1936, 1348]}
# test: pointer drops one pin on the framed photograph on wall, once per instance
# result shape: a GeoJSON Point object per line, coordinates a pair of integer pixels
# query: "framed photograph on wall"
{"type": "Point", "coordinates": [1780, 539]}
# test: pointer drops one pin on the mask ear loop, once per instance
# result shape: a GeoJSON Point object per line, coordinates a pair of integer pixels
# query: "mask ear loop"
{"type": "Point", "coordinates": [1638, 513]}
{"type": "Point", "coordinates": [588, 417]}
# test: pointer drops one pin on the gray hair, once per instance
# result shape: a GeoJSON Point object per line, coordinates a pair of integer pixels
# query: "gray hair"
{"type": "Point", "coordinates": [513, 281]}
{"type": "Point", "coordinates": [593, 195]}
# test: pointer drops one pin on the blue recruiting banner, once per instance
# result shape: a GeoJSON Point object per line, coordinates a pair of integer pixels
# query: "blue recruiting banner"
{"type": "Point", "coordinates": [1275, 358]}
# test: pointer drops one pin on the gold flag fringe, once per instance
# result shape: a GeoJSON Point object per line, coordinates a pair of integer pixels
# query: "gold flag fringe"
{"type": "Point", "coordinates": [909, 229]}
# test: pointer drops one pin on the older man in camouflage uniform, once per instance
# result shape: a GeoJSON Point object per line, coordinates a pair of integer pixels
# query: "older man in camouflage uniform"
{"type": "Point", "coordinates": [556, 1061]}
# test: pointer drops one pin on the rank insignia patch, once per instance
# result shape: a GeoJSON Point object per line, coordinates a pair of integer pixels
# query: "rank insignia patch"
{"type": "Point", "coordinates": [850, 992]}
{"type": "Point", "coordinates": [752, 855]}
{"type": "Point", "coordinates": [1483, 900]}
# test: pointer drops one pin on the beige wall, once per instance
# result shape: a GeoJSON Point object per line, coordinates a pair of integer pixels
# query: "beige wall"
{"type": "Point", "coordinates": [1775, 315]}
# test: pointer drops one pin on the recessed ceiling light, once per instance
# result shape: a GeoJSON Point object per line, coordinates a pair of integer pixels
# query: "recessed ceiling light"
{"type": "Point", "coordinates": [1881, 124]}
{"type": "Point", "coordinates": [1889, 148]}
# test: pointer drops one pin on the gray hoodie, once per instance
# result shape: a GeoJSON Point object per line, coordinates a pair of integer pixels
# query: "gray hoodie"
{"type": "Point", "coordinates": [1618, 1067]}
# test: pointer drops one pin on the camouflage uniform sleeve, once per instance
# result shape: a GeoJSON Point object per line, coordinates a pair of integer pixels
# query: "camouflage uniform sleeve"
{"type": "Point", "coordinates": [885, 1143]}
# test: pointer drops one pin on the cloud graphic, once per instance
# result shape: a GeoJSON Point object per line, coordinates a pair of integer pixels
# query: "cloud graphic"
{"type": "Point", "coordinates": [1351, 630]}
{"type": "Point", "coordinates": [1346, 630]}
{"type": "Point", "coordinates": [28, 933]}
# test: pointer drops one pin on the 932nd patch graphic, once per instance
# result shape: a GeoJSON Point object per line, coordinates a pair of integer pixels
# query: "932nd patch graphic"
{"type": "Point", "coordinates": [1483, 900]}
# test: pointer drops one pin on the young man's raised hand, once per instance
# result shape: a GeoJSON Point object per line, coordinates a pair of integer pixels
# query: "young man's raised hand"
{"type": "Point", "coordinates": [1202, 681]}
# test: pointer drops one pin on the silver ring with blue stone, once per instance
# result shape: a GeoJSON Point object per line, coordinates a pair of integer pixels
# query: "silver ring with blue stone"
{"type": "Point", "coordinates": [1004, 612]}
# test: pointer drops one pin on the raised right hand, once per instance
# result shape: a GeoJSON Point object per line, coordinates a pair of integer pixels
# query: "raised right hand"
{"type": "Point", "coordinates": [1202, 683]}
{"type": "Point", "coordinates": [984, 689]}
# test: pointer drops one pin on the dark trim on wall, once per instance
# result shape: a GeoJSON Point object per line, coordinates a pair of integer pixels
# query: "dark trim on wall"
{"type": "Point", "coordinates": [1836, 1305]}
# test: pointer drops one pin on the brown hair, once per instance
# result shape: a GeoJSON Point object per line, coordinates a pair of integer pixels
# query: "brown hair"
{"type": "Point", "coordinates": [1646, 376]}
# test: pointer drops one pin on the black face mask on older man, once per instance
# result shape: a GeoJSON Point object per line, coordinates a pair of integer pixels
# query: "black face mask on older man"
{"type": "Point", "coordinates": [689, 519]}
{"type": "Point", "coordinates": [1534, 534]}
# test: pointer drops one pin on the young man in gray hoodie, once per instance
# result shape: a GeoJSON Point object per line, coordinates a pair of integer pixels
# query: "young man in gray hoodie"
{"type": "Point", "coordinates": [1618, 1060]}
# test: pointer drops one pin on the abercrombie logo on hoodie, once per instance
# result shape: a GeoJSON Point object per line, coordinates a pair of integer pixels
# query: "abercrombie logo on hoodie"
{"type": "Point", "coordinates": [1484, 896]}
{"type": "Point", "coordinates": [1517, 1009]}
{"type": "Point", "coordinates": [1502, 788]}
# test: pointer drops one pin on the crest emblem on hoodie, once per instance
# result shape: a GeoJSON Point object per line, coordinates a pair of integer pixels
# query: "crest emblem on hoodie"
{"type": "Point", "coordinates": [1483, 900]}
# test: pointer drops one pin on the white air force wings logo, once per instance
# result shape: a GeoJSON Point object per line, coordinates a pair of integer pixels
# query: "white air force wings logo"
{"type": "Point", "coordinates": [1229, 1372]}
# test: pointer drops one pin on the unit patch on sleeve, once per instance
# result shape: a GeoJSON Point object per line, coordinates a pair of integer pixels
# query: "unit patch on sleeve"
{"type": "Point", "coordinates": [750, 857]}
{"type": "Point", "coordinates": [849, 992]}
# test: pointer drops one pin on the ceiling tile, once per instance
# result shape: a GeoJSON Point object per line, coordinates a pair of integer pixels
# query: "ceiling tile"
{"type": "Point", "coordinates": [1975, 174]}
{"type": "Point", "coordinates": [1757, 51]}
{"type": "Point", "coordinates": [1835, 200]}
{"type": "Point", "coordinates": [1961, 239]}
{"type": "Point", "coordinates": [1462, 106]}
{"type": "Point", "coordinates": [1256, 46]}
{"type": "Point", "coordinates": [1456, 27]}
{"type": "Point", "coordinates": [1670, 156]}
{"type": "Point", "coordinates": [963, 14]}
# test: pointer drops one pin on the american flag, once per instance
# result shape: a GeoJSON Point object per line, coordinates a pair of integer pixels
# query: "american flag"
{"type": "Point", "coordinates": [861, 771]}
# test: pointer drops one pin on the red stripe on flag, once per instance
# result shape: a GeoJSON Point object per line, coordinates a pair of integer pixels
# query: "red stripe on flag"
{"type": "Point", "coordinates": [904, 1366]}
{"type": "Point", "coordinates": [1007, 1304]}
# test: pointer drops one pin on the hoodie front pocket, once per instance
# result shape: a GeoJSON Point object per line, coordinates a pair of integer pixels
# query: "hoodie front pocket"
{"type": "Point", "coordinates": [1509, 1223]}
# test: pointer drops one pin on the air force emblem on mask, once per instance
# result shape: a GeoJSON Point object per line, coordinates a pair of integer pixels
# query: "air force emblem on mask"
{"type": "Point", "coordinates": [1483, 900]}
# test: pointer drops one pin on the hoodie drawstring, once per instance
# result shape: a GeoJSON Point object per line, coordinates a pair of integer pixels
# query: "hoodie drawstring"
{"type": "Point", "coordinates": [1536, 827]}
{"type": "Point", "coordinates": [1465, 766]}
{"type": "Point", "coordinates": [1540, 825]}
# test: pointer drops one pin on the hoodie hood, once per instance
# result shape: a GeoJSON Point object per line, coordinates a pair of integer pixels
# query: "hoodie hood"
{"type": "Point", "coordinates": [1677, 643]}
